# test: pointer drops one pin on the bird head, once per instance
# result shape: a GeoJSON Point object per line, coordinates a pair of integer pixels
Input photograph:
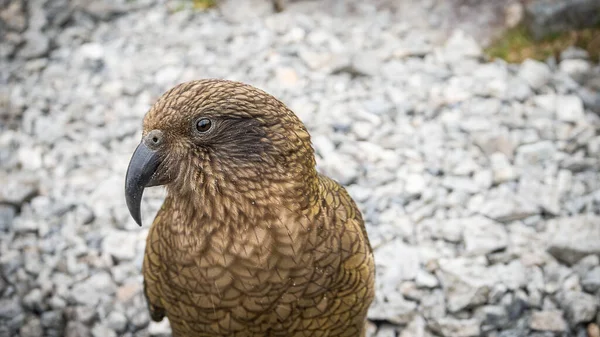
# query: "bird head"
{"type": "Point", "coordinates": [215, 139]}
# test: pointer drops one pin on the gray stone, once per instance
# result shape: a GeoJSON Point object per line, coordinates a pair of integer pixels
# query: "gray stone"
{"type": "Point", "coordinates": [579, 307]}
{"type": "Point", "coordinates": [483, 236]}
{"type": "Point", "coordinates": [426, 280]}
{"type": "Point", "coordinates": [392, 307]}
{"type": "Point", "coordinates": [547, 17]}
{"type": "Point", "coordinates": [85, 314]}
{"type": "Point", "coordinates": [120, 244]}
{"type": "Point", "coordinates": [100, 330]}
{"type": "Point", "coordinates": [576, 69]}
{"type": "Point", "coordinates": [366, 64]}
{"type": "Point", "coordinates": [103, 10]}
{"type": "Point", "coordinates": [36, 45]}
{"type": "Point", "coordinates": [591, 280]}
{"type": "Point", "coordinates": [573, 238]}
{"type": "Point", "coordinates": [590, 97]}
{"type": "Point", "coordinates": [535, 73]}
{"type": "Point", "coordinates": [535, 154]}
{"type": "Point", "coordinates": [140, 319]}
{"type": "Point", "coordinates": [7, 214]}
{"type": "Point", "coordinates": [492, 317]}
{"type": "Point", "coordinates": [91, 290]}
{"type": "Point", "coordinates": [77, 329]}
{"type": "Point", "coordinates": [116, 321]}
{"type": "Point", "coordinates": [448, 326]}
{"type": "Point", "coordinates": [460, 46]}
{"type": "Point", "coordinates": [19, 189]}
{"type": "Point", "coordinates": [433, 305]}
{"type": "Point", "coordinates": [548, 321]}
{"type": "Point", "coordinates": [466, 283]}
{"type": "Point", "coordinates": [237, 12]}
{"type": "Point", "coordinates": [32, 328]}
{"type": "Point", "coordinates": [34, 300]}
{"type": "Point", "coordinates": [504, 206]}
{"type": "Point", "coordinates": [159, 329]}
{"type": "Point", "coordinates": [574, 53]}
{"type": "Point", "coordinates": [416, 328]}
{"type": "Point", "coordinates": [502, 169]}
{"type": "Point", "coordinates": [569, 108]}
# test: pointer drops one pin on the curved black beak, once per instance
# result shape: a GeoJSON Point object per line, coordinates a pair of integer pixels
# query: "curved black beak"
{"type": "Point", "coordinates": [140, 174]}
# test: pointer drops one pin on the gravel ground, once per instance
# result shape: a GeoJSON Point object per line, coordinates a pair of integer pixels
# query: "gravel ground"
{"type": "Point", "coordinates": [479, 180]}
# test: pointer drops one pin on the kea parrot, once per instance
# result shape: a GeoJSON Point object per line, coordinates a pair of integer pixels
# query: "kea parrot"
{"type": "Point", "coordinates": [250, 240]}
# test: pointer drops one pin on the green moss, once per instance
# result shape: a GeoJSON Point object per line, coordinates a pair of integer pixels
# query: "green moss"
{"type": "Point", "coordinates": [517, 45]}
{"type": "Point", "coordinates": [203, 4]}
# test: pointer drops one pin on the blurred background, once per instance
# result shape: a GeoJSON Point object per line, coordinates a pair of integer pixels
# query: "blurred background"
{"type": "Point", "coordinates": [467, 131]}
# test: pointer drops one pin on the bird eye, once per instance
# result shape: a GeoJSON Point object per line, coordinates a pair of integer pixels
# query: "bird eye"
{"type": "Point", "coordinates": [203, 125]}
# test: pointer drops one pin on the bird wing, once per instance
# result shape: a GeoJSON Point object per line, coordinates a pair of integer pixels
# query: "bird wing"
{"type": "Point", "coordinates": [151, 271]}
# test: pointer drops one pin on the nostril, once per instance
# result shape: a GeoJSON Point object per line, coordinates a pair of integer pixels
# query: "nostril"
{"type": "Point", "coordinates": [154, 138]}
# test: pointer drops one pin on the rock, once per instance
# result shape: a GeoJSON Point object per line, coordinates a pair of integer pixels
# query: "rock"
{"type": "Point", "coordinates": [433, 304]}
{"type": "Point", "coordinates": [7, 214]}
{"type": "Point", "coordinates": [504, 206]}
{"type": "Point", "coordinates": [569, 108]}
{"type": "Point", "coordinates": [586, 264]}
{"type": "Point", "coordinates": [91, 290]}
{"type": "Point", "coordinates": [591, 280]}
{"type": "Point", "coordinates": [33, 300]}
{"type": "Point", "coordinates": [53, 320]}
{"type": "Point", "coordinates": [466, 283]}
{"type": "Point", "coordinates": [120, 244]}
{"type": "Point", "coordinates": [460, 46]}
{"type": "Point", "coordinates": [579, 307]}
{"type": "Point", "coordinates": [103, 10]}
{"type": "Point", "coordinates": [535, 73]}
{"type": "Point", "coordinates": [426, 280]}
{"type": "Point", "coordinates": [386, 330]}
{"type": "Point", "coordinates": [365, 64]}
{"type": "Point", "coordinates": [591, 99]}
{"type": "Point", "coordinates": [77, 329]}
{"type": "Point", "coordinates": [573, 238]}
{"type": "Point", "coordinates": [415, 184]}
{"type": "Point", "coordinates": [416, 328]}
{"type": "Point", "coordinates": [85, 314]}
{"type": "Point", "coordinates": [100, 330]}
{"type": "Point", "coordinates": [502, 169]}
{"type": "Point", "coordinates": [343, 169]}
{"type": "Point", "coordinates": [32, 328]}
{"type": "Point", "coordinates": [116, 321]}
{"type": "Point", "coordinates": [19, 190]}
{"type": "Point", "coordinates": [492, 317]}
{"type": "Point", "coordinates": [160, 329]}
{"type": "Point", "coordinates": [576, 69]}
{"type": "Point", "coordinates": [13, 15]}
{"type": "Point", "coordinates": [140, 319]}
{"type": "Point", "coordinates": [236, 12]}
{"type": "Point", "coordinates": [397, 262]}
{"type": "Point", "coordinates": [483, 236]}
{"type": "Point", "coordinates": [392, 307]}
{"type": "Point", "coordinates": [535, 154]}
{"type": "Point", "coordinates": [574, 53]}
{"type": "Point", "coordinates": [11, 314]}
{"type": "Point", "coordinates": [456, 327]}
{"type": "Point", "coordinates": [548, 321]}
{"type": "Point", "coordinates": [36, 45]}
{"type": "Point", "coordinates": [547, 17]}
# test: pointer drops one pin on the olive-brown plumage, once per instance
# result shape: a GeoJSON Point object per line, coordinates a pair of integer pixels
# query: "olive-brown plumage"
{"type": "Point", "coordinates": [250, 240]}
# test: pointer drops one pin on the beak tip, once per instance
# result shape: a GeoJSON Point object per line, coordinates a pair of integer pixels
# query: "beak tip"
{"type": "Point", "coordinates": [142, 167]}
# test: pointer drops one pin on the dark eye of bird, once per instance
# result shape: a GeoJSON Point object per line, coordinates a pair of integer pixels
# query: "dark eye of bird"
{"type": "Point", "coordinates": [203, 125]}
